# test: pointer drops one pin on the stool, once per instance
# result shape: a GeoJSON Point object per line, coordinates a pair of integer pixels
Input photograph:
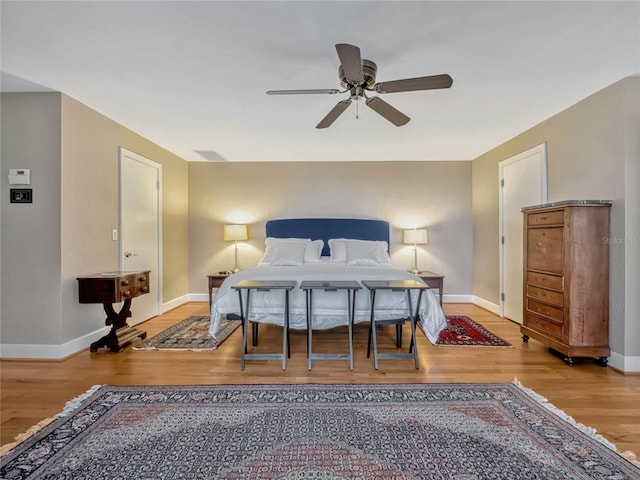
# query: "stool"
{"type": "Point", "coordinates": [330, 286]}
{"type": "Point", "coordinates": [264, 286]}
{"type": "Point", "coordinates": [394, 286]}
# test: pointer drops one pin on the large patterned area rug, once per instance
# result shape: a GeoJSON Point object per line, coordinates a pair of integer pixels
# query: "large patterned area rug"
{"type": "Point", "coordinates": [462, 331]}
{"type": "Point", "coordinates": [190, 334]}
{"type": "Point", "coordinates": [433, 431]}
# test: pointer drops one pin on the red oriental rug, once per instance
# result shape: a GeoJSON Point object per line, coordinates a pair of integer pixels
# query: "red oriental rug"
{"type": "Point", "coordinates": [462, 331]}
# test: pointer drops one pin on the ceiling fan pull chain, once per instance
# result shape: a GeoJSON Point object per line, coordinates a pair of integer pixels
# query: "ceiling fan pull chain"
{"type": "Point", "coordinates": [357, 110]}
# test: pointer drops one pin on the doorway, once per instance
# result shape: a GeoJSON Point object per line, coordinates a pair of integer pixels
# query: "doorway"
{"type": "Point", "coordinates": [140, 228]}
{"type": "Point", "coordinates": [523, 182]}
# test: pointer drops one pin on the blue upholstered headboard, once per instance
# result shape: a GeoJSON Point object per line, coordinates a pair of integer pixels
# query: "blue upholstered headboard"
{"type": "Point", "coordinates": [326, 228]}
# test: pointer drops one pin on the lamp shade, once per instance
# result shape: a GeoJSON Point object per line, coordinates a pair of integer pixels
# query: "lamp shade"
{"type": "Point", "coordinates": [235, 232]}
{"type": "Point", "coordinates": [415, 236]}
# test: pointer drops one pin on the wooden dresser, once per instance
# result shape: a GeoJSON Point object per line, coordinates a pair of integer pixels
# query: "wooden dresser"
{"type": "Point", "coordinates": [566, 277]}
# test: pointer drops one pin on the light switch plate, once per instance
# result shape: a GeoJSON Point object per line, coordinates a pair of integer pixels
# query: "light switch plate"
{"type": "Point", "coordinates": [20, 195]}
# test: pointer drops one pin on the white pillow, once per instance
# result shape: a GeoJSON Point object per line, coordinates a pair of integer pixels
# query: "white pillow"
{"type": "Point", "coordinates": [365, 253]}
{"type": "Point", "coordinates": [270, 244]}
{"type": "Point", "coordinates": [338, 248]}
{"type": "Point", "coordinates": [289, 254]}
{"type": "Point", "coordinates": [312, 253]}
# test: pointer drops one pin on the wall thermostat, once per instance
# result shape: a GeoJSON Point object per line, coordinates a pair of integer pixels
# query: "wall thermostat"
{"type": "Point", "coordinates": [20, 176]}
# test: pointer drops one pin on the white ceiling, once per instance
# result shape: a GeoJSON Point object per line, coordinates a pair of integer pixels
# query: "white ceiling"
{"type": "Point", "coordinates": [192, 76]}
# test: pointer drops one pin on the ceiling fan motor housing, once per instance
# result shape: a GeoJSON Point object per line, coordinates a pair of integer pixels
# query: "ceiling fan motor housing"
{"type": "Point", "coordinates": [369, 70]}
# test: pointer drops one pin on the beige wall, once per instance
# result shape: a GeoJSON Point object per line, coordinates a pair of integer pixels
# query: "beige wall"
{"type": "Point", "coordinates": [407, 194]}
{"type": "Point", "coordinates": [76, 200]}
{"type": "Point", "coordinates": [590, 150]}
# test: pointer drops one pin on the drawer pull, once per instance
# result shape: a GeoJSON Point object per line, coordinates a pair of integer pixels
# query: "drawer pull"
{"type": "Point", "coordinates": [124, 283]}
{"type": "Point", "coordinates": [142, 279]}
{"type": "Point", "coordinates": [143, 289]}
{"type": "Point", "coordinates": [127, 293]}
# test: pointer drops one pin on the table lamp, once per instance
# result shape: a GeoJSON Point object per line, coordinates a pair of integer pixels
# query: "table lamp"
{"type": "Point", "coordinates": [235, 233]}
{"type": "Point", "coordinates": [415, 237]}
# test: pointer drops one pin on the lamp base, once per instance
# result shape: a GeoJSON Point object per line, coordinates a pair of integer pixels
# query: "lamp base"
{"type": "Point", "coordinates": [415, 271]}
{"type": "Point", "coordinates": [235, 269]}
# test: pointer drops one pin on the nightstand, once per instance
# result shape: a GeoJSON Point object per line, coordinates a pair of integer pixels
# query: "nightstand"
{"type": "Point", "coordinates": [434, 280]}
{"type": "Point", "coordinates": [215, 281]}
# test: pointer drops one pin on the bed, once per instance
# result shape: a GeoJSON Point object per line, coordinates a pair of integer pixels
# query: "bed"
{"type": "Point", "coordinates": [325, 249]}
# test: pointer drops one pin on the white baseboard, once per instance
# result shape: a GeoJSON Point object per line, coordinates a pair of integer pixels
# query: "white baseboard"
{"type": "Point", "coordinates": [624, 364]}
{"type": "Point", "coordinates": [455, 298]}
{"type": "Point", "coordinates": [51, 352]}
{"type": "Point", "coordinates": [176, 302]}
{"type": "Point", "coordinates": [481, 302]}
{"type": "Point", "coordinates": [200, 297]}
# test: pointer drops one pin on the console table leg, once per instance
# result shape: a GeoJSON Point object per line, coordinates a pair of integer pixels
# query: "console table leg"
{"type": "Point", "coordinates": [120, 334]}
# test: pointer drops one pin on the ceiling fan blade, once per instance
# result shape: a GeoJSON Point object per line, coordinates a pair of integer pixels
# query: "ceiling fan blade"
{"type": "Point", "coordinates": [431, 82]}
{"type": "Point", "coordinates": [303, 92]}
{"type": "Point", "coordinates": [334, 113]}
{"type": "Point", "coordinates": [387, 111]}
{"type": "Point", "coordinates": [351, 62]}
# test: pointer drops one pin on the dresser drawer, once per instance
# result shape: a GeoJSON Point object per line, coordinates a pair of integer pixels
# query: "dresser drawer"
{"type": "Point", "coordinates": [546, 218]}
{"type": "Point", "coordinates": [128, 287]}
{"type": "Point", "coordinates": [545, 310]}
{"type": "Point", "coordinates": [544, 325]}
{"type": "Point", "coordinates": [132, 286]}
{"type": "Point", "coordinates": [544, 249]}
{"type": "Point", "coordinates": [546, 281]}
{"type": "Point", "coordinates": [112, 287]}
{"type": "Point", "coordinates": [545, 295]}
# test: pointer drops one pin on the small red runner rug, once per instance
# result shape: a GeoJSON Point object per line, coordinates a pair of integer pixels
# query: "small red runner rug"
{"type": "Point", "coordinates": [463, 331]}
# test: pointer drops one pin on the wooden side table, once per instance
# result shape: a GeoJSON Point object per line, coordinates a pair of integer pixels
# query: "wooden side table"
{"type": "Point", "coordinates": [434, 280]}
{"type": "Point", "coordinates": [215, 281]}
{"type": "Point", "coordinates": [110, 288]}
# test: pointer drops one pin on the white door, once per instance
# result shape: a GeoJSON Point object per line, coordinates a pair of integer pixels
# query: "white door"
{"type": "Point", "coordinates": [140, 227]}
{"type": "Point", "coordinates": [523, 182]}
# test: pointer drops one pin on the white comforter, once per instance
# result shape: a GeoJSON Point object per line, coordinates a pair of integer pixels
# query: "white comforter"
{"type": "Point", "coordinates": [329, 308]}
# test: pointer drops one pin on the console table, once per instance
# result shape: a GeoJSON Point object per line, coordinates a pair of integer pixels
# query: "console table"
{"type": "Point", "coordinates": [110, 288]}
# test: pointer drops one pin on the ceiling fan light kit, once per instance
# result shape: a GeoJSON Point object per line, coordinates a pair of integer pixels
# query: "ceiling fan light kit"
{"type": "Point", "coordinates": [357, 76]}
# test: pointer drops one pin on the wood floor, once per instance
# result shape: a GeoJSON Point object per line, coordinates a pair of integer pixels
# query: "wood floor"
{"type": "Point", "coordinates": [602, 398]}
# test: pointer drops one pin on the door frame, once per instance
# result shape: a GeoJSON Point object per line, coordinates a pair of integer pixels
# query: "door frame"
{"type": "Point", "coordinates": [123, 152]}
{"type": "Point", "coordinates": [542, 151]}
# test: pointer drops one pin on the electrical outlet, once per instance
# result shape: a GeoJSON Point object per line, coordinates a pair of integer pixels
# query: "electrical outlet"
{"type": "Point", "coordinates": [114, 234]}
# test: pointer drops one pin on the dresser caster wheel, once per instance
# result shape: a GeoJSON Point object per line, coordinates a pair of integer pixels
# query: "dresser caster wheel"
{"type": "Point", "coordinates": [603, 361]}
{"type": "Point", "coordinates": [569, 361]}
{"type": "Point", "coordinates": [525, 338]}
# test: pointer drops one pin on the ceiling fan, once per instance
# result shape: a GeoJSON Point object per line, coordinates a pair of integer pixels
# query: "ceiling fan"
{"type": "Point", "coordinates": [357, 76]}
